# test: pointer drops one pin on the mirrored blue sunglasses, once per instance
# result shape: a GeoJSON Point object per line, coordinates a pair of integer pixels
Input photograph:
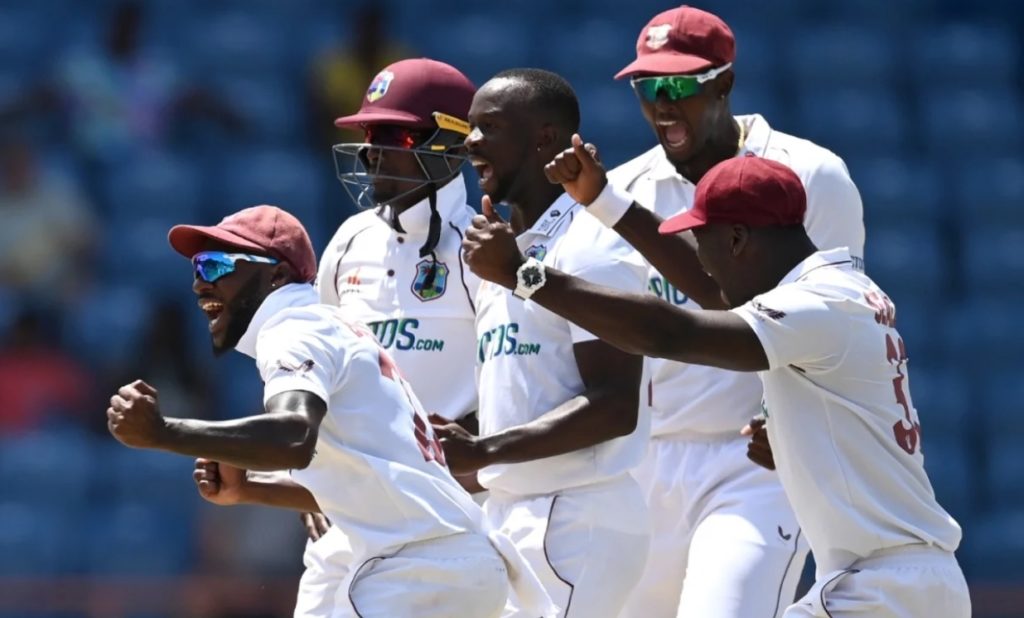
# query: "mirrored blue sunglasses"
{"type": "Point", "coordinates": [212, 265]}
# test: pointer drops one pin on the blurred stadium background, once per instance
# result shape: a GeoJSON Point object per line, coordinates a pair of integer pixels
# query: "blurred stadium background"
{"type": "Point", "coordinates": [117, 121]}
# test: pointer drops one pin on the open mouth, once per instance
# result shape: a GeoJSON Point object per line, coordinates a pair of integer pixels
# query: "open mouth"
{"type": "Point", "coordinates": [674, 134]}
{"type": "Point", "coordinates": [483, 170]}
{"type": "Point", "coordinates": [213, 309]}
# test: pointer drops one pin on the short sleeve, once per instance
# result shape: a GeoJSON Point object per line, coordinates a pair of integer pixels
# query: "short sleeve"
{"type": "Point", "coordinates": [835, 214]}
{"type": "Point", "coordinates": [619, 267]}
{"type": "Point", "coordinates": [294, 354]}
{"type": "Point", "coordinates": [797, 327]}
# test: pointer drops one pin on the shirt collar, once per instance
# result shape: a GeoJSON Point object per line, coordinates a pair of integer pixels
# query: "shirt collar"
{"type": "Point", "coordinates": [291, 295]}
{"type": "Point", "coordinates": [755, 142]}
{"type": "Point", "coordinates": [832, 257]}
{"type": "Point", "coordinates": [548, 222]}
{"type": "Point", "coordinates": [415, 220]}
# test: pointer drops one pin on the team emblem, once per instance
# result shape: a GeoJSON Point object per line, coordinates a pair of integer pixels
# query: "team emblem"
{"type": "Point", "coordinates": [425, 289]}
{"type": "Point", "coordinates": [379, 86]}
{"type": "Point", "coordinates": [657, 36]}
{"type": "Point", "coordinates": [537, 252]}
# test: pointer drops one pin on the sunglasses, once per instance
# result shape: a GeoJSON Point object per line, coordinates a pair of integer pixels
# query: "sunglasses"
{"type": "Point", "coordinates": [212, 265]}
{"type": "Point", "coordinates": [674, 87]}
{"type": "Point", "coordinates": [394, 136]}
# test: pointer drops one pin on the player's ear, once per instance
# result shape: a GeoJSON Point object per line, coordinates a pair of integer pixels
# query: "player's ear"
{"type": "Point", "coordinates": [722, 84]}
{"type": "Point", "coordinates": [547, 136]}
{"type": "Point", "coordinates": [739, 238]}
{"type": "Point", "coordinates": [282, 274]}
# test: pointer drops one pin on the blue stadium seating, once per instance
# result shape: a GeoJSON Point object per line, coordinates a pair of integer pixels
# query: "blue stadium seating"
{"type": "Point", "coordinates": [948, 463]}
{"type": "Point", "coordinates": [844, 55]}
{"type": "Point", "coordinates": [990, 191]}
{"type": "Point", "coordinates": [138, 538]}
{"type": "Point", "coordinates": [984, 333]}
{"type": "Point", "coordinates": [897, 191]}
{"type": "Point", "coordinates": [270, 107]}
{"type": "Point", "coordinates": [991, 549]}
{"type": "Point", "coordinates": [48, 468]}
{"type": "Point", "coordinates": [35, 539]}
{"type": "Point", "coordinates": [959, 55]}
{"type": "Point", "coordinates": [162, 186]}
{"type": "Point", "coordinates": [106, 324]}
{"type": "Point", "coordinates": [853, 121]}
{"type": "Point", "coordinates": [993, 256]}
{"type": "Point", "coordinates": [907, 262]}
{"type": "Point", "coordinates": [962, 124]}
{"type": "Point", "coordinates": [236, 43]}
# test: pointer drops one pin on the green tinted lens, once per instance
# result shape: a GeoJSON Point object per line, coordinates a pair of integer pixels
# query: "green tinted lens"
{"type": "Point", "coordinates": [675, 87]}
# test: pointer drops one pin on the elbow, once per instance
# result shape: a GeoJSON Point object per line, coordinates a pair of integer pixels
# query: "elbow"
{"type": "Point", "coordinates": [300, 447]}
{"type": "Point", "coordinates": [624, 414]}
{"type": "Point", "coordinates": [301, 455]}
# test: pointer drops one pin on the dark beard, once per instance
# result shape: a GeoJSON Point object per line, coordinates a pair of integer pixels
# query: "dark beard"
{"type": "Point", "coordinates": [242, 310]}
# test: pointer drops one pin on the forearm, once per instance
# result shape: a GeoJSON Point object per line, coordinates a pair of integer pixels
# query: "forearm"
{"type": "Point", "coordinates": [264, 442]}
{"type": "Point", "coordinates": [672, 255]}
{"type": "Point", "coordinates": [590, 418]}
{"type": "Point", "coordinates": [278, 490]}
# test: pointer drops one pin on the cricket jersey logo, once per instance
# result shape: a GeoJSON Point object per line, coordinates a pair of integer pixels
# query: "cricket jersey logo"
{"type": "Point", "coordinates": [536, 252]}
{"type": "Point", "coordinates": [431, 280]}
{"type": "Point", "coordinates": [657, 36]}
{"type": "Point", "coordinates": [300, 369]}
{"type": "Point", "coordinates": [379, 86]}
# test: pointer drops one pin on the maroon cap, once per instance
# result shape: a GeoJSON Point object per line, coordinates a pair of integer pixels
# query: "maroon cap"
{"type": "Point", "coordinates": [679, 41]}
{"type": "Point", "coordinates": [264, 229]}
{"type": "Point", "coordinates": [408, 93]}
{"type": "Point", "coordinates": [749, 190]}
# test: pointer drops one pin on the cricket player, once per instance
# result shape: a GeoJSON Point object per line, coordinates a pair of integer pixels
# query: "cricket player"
{"type": "Point", "coordinates": [841, 422]}
{"type": "Point", "coordinates": [340, 420]}
{"type": "Point", "coordinates": [560, 420]}
{"type": "Point", "coordinates": [727, 542]}
{"type": "Point", "coordinates": [397, 266]}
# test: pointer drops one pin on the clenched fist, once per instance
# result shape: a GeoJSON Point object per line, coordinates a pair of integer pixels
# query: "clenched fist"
{"type": "Point", "coordinates": [220, 483]}
{"type": "Point", "coordinates": [134, 416]}
{"type": "Point", "coordinates": [490, 247]}
{"type": "Point", "coordinates": [579, 171]}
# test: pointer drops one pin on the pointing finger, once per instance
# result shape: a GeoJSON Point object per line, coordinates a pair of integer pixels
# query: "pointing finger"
{"type": "Point", "coordinates": [585, 153]}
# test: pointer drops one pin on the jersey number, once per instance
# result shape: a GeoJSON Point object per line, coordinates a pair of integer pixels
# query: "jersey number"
{"type": "Point", "coordinates": [428, 444]}
{"type": "Point", "coordinates": [907, 430]}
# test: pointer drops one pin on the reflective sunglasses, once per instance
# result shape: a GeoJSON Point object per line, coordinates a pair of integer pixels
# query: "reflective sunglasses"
{"type": "Point", "coordinates": [675, 87]}
{"type": "Point", "coordinates": [212, 265]}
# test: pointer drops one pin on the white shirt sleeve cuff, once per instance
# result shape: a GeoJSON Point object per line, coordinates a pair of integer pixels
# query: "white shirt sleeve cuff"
{"type": "Point", "coordinates": [611, 205]}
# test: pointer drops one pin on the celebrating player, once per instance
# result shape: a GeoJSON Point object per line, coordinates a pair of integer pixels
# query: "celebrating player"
{"type": "Point", "coordinates": [398, 265]}
{"type": "Point", "coordinates": [727, 542]}
{"type": "Point", "coordinates": [340, 419]}
{"type": "Point", "coordinates": [559, 419]}
{"type": "Point", "coordinates": [842, 425]}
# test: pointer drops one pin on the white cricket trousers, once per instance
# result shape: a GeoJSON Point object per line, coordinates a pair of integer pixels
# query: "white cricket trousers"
{"type": "Point", "coordinates": [724, 540]}
{"type": "Point", "coordinates": [587, 545]}
{"type": "Point", "coordinates": [913, 581]}
{"type": "Point", "coordinates": [458, 576]}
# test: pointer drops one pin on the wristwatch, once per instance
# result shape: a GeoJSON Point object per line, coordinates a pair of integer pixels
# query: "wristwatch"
{"type": "Point", "coordinates": [529, 278]}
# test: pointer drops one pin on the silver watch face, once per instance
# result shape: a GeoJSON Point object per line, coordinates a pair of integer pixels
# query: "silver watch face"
{"type": "Point", "coordinates": [531, 276]}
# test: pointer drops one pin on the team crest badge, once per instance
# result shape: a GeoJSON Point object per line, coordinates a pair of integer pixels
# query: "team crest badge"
{"type": "Point", "coordinates": [537, 252]}
{"type": "Point", "coordinates": [379, 86]}
{"type": "Point", "coordinates": [422, 286]}
{"type": "Point", "coordinates": [657, 36]}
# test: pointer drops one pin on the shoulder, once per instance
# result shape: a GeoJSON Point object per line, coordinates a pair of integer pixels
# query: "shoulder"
{"type": "Point", "coordinates": [629, 171]}
{"type": "Point", "coordinates": [587, 246]}
{"type": "Point", "coordinates": [352, 226]}
{"type": "Point", "coordinates": [817, 166]}
{"type": "Point", "coordinates": [314, 325]}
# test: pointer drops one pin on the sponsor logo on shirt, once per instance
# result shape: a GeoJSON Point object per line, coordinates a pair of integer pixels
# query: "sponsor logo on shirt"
{"type": "Point", "coordinates": [400, 334]}
{"type": "Point", "coordinates": [660, 287]}
{"type": "Point", "coordinates": [350, 284]}
{"type": "Point", "coordinates": [773, 314]}
{"type": "Point", "coordinates": [501, 341]}
{"type": "Point", "coordinates": [300, 369]}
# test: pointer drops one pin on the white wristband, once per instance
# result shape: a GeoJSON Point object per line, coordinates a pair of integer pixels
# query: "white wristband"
{"type": "Point", "coordinates": [611, 205]}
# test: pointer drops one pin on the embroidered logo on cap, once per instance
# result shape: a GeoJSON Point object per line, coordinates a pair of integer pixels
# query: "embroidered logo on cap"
{"type": "Point", "coordinates": [657, 36]}
{"type": "Point", "coordinates": [379, 86]}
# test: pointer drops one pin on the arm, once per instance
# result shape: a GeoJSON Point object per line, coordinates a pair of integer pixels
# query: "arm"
{"type": "Point", "coordinates": [580, 173]}
{"type": "Point", "coordinates": [224, 484]}
{"type": "Point", "coordinates": [606, 409]}
{"type": "Point", "coordinates": [634, 323]}
{"type": "Point", "coordinates": [284, 437]}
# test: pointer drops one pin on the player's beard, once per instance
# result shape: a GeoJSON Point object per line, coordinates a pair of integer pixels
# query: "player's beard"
{"type": "Point", "coordinates": [242, 310]}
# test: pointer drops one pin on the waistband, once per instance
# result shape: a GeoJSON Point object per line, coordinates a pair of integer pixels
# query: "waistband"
{"type": "Point", "coordinates": [905, 555]}
{"type": "Point", "coordinates": [624, 479]}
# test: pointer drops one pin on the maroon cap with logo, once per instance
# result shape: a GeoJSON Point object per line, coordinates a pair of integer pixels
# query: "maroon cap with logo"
{"type": "Point", "coordinates": [680, 41]}
{"type": "Point", "coordinates": [263, 229]}
{"type": "Point", "coordinates": [408, 92]}
{"type": "Point", "coordinates": [748, 190]}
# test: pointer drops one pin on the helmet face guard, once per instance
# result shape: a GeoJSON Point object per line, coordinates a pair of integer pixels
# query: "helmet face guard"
{"type": "Point", "coordinates": [439, 154]}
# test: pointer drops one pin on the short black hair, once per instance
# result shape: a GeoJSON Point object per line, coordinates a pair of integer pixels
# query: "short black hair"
{"type": "Point", "coordinates": [549, 92]}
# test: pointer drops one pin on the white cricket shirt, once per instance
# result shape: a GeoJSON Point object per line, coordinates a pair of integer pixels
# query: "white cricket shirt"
{"type": "Point", "coordinates": [525, 360]}
{"type": "Point", "coordinates": [376, 275]}
{"type": "Point", "coordinates": [842, 424]}
{"type": "Point", "coordinates": [694, 399]}
{"type": "Point", "coordinates": [375, 472]}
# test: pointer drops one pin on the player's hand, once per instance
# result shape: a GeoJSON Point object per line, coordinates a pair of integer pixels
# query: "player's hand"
{"type": "Point", "coordinates": [490, 247]}
{"type": "Point", "coordinates": [220, 483]}
{"type": "Point", "coordinates": [316, 524]}
{"type": "Point", "coordinates": [759, 450]}
{"type": "Point", "coordinates": [579, 171]}
{"type": "Point", "coordinates": [462, 450]}
{"type": "Point", "coordinates": [134, 416]}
